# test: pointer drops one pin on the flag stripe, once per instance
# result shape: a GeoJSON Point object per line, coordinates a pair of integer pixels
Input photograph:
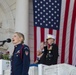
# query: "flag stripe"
{"type": "Point", "coordinates": [50, 31]}
{"type": "Point", "coordinates": [61, 29]}
{"type": "Point", "coordinates": [46, 32]}
{"type": "Point", "coordinates": [68, 30]}
{"type": "Point", "coordinates": [72, 34]}
{"type": "Point", "coordinates": [64, 30]}
{"type": "Point", "coordinates": [54, 32]}
{"type": "Point", "coordinates": [38, 37]}
{"type": "Point", "coordinates": [42, 34]}
{"type": "Point", "coordinates": [57, 38]}
{"type": "Point", "coordinates": [74, 47]}
{"type": "Point", "coordinates": [35, 43]}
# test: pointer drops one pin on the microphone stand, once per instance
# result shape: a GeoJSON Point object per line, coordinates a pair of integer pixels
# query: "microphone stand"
{"type": "Point", "coordinates": [3, 42]}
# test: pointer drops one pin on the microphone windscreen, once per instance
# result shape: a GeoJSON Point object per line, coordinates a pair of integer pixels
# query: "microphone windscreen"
{"type": "Point", "coordinates": [8, 40]}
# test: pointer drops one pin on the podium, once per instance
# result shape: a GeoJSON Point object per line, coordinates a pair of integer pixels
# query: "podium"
{"type": "Point", "coordinates": [59, 69]}
{"type": "Point", "coordinates": [33, 70]}
{"type": "Point", "coordinates": [4, 65]}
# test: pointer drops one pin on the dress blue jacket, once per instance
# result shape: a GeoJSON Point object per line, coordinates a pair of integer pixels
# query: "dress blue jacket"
{"type": "Point", "coordinates": [20, 60]}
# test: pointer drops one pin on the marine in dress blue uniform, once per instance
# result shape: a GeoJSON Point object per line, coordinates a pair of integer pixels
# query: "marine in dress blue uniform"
{"type": "Point", "coordinates": [50, 55]}
{"type": "Point", "coordinates": [20, 60]}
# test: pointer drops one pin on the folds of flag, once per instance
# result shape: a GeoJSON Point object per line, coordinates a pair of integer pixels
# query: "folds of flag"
{"type": "Point", "coordinates": [65, 36]}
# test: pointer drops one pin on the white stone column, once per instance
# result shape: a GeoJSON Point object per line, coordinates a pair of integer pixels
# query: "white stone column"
{"type": "Point", "coordinates": [22, 20]}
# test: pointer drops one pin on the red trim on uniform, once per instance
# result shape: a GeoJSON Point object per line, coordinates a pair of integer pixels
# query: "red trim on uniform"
{"type": "Point", "coordinates": [21, 52]}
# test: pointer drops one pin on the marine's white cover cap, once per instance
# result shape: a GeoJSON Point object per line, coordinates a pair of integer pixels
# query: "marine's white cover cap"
{"type": "Point", "coordinates": [49, 36]}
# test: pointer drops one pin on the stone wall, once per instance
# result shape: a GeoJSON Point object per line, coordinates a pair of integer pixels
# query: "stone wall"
{"type": "Point", "coordinates": [7, 21]}
{"type": "Point", "coordinates": [7, 24]}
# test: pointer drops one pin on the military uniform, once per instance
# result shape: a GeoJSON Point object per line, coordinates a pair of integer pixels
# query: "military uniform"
{"type": "Point", "coordinates": [50, 56]}
{"type": "Point", "coordinates": [20, 60]}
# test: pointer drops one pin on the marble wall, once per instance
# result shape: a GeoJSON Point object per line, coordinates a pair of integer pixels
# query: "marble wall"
{"type": "Point", "coordinates": [7, 24]}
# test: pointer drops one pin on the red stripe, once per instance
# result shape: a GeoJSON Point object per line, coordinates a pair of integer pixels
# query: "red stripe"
{"type": "Point", "coordinates": [35, 42]}
{"type": "Point", "coordinates": [50, 31]}
{"type": "Point", "coordinates": [42, 34]}
{"type": "Point", "coordinates": [21, 52]}
{"type": "Point", "coordinates": [57, 38]}
{"type": "Point", "coordinates": [64, 31]}
{"type": "Point", "coordinates": [72, 34]}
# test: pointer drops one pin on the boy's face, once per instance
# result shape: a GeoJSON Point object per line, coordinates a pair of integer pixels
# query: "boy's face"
{"type": "Point", "coordinates": [50, 41]}
{"type": "Point", "coordinates": [16, 39]}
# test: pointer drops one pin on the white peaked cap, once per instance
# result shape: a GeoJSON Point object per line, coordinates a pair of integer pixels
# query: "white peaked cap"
{"type": "Point", "coordinates": [50, 36]}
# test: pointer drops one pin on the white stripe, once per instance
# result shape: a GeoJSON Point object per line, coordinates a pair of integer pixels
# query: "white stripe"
{"type": "Point", "coordinates": [54, 33]}
{"type": "Point", "coordinates": [74, 47]}
{"type": "Point", "coordinates": [38, 38]}
{"type": "Point", "coordinates": [61, 28]}
{"type": "Point", "coordinates": [46, 31]}
{"type": "Point", "coordinates": [68, 30]}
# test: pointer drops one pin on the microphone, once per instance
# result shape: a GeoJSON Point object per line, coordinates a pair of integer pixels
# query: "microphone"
{"type": "Point", "coordinates": [7, 40]}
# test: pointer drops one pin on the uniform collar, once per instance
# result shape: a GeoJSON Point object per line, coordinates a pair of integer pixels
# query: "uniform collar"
{"type": "Point", "coordinates": [18, 45]}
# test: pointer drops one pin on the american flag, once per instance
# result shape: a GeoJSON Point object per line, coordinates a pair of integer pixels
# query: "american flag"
{"type": "Point", "coordinates": [47, 13]}
{"type": "Point", "coordinates": [51, 15]}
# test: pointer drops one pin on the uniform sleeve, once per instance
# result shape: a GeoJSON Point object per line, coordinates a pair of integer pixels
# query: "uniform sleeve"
{"type": "Point", "coordinates": [45, 50]}
{"type": "Point", "coordinates": [26, 61]}
{"type": "Point", "coordinates": [55, 54]}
